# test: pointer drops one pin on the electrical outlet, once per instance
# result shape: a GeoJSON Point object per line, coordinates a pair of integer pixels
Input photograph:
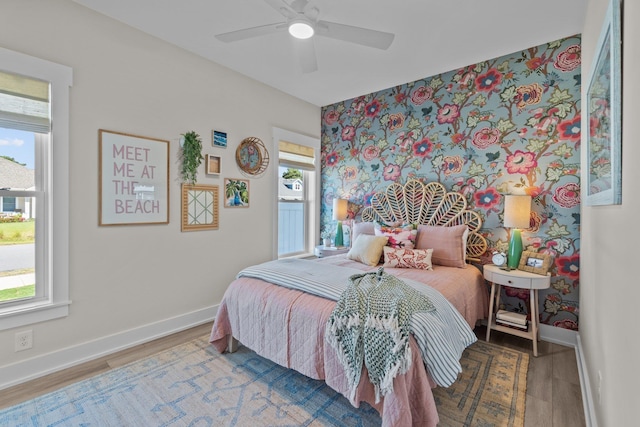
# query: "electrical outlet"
{"type": "Point", "coordinates": [24, 340]}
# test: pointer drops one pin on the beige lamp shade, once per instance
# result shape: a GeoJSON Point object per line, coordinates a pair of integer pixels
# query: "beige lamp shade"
{"type": "Point", "coordinates": [517, 210]}
{"type": "Point", "coordinates": [340, 209]}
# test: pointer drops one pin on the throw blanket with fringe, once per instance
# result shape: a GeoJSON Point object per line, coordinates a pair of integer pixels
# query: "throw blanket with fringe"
{"type": "Point", "coordinates": [371, 324]}
{"type": "Point", "coordinates": [441, 334]}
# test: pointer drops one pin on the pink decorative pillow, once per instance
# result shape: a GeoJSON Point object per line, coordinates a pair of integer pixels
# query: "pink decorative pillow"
{"type": "Point", "coordinates": [403, 236]}
{"type": "Point", "coordinates": [362, 228]}
{"type": "Point", "coordinates": [408, 258]}
{"type": "Point", "coordinates": [447, 244]}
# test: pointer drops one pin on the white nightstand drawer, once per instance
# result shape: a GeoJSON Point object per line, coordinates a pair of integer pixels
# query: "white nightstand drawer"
{"type": "Point", "coordinates": [509, 280]}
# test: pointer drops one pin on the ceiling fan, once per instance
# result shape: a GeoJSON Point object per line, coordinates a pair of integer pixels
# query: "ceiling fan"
{"type": "Point", "coordinates": [303, 23]}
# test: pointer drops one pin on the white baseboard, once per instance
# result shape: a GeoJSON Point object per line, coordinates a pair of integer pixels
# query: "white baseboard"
{"type": "Point", "coordinates": [585, 386]}
{"type": "Point", "coordinates": [558, 335]}
{"type": "Point", "coordinates": [36, 367]}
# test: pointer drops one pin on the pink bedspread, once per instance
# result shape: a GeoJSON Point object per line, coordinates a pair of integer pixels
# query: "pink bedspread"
{"type": "Point", "coordinates": [287, 326]}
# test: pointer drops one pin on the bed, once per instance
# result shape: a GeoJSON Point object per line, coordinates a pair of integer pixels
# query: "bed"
{"type": "Point", "coordinates": [287, 325]}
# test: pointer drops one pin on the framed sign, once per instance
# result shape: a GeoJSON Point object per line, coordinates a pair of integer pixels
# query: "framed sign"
{"type": "Point", "coordinates": [604, 103]}
{"type": "Point", "coordinates": [133, 179]}
{"type": "Point", "coordinates": [213, 164]}
{"type": "Point", "coordinates": [199, 207]}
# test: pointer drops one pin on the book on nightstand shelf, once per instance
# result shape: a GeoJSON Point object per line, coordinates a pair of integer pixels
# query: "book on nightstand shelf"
{"type": "Point", "coordinates": [512, 320]}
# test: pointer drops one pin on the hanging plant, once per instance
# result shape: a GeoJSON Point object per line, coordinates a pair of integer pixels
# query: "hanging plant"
{"type": "Point", "coordinates": [191, 156]}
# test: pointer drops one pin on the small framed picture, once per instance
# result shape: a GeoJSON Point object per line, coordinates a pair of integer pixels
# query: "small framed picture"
{"type": "Point", "coordinates": [533, 262]}
{"type": "Point", "coordinates": [219, 138]}
{"type": "Point", "coordinates": [236, 193]}
{"type": "Point", "coordinates": [213, 164]}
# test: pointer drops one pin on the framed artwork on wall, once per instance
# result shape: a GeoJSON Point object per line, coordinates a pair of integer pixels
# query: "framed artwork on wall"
{"type": "Point", "coordinates": [236, 193]}
{"type": "Point", "coordinates": [213, 164]}
{"type": "Point", "coordinates": [604, 147]}
{"type": "Point", "coordinates": [219, 138]}
{"type": "Point", "coordinates": [134, 179]}
{"type": "Point", "coordinates": [199, 207]}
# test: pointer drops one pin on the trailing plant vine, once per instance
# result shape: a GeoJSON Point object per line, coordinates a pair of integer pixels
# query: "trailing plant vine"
{"type": "Point", "coordinates": [191, 157]}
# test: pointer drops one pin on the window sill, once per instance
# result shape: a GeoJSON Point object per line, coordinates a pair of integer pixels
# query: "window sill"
{"type": "Point", "coordinates": [27, 314]}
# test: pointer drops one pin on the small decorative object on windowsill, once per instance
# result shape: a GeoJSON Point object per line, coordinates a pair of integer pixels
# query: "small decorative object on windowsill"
{"type": "Point", "coordinates": [326, 238]}
{"type": "Point", "coordinates": [339, 214]}
{"type": "Point", "coordinates": [517, 211]}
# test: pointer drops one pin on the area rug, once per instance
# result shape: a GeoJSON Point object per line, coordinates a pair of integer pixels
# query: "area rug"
{"type": "Point", "coordinates": [192, 385]}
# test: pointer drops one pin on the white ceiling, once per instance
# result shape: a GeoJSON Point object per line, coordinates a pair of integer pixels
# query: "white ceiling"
{"type": "Point", "coordinates": [431, 37]}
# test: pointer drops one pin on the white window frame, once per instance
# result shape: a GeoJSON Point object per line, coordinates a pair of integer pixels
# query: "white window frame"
{"type": "Point", "coordinates": [52, 170]}
{"type": "Point", "coordinates": [312, 190]}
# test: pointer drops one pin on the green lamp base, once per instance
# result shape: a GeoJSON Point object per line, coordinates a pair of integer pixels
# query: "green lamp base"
{"type": "Point", "coordinates": [339, 238]}
{"type": "Point", "coordinates": [515, 249]}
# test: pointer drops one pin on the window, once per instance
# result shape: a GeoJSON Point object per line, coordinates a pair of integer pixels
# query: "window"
{"type": "Point", "coordinates": [298, 192]}
{"type": "Point", "coordinates": [34, 134]}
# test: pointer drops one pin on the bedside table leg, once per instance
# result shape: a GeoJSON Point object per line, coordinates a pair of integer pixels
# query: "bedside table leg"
{"type": "Point", "coordinates": [533, 298]}
{"type": "Point", "coordinates": [490, 317]}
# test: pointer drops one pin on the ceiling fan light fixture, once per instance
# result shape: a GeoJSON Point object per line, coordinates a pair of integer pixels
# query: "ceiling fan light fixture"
{"type": "Point", "coordinates": [300, 29]}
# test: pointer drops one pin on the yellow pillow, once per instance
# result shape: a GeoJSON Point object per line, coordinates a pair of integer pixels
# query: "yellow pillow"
{"type": "Point", "coordinates": [367, 249]}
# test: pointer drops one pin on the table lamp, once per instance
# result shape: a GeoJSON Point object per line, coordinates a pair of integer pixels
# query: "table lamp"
{"type": "Point", "coordinates": [517, 211]}
{"type": "Point", "coordinates": [339, 214]}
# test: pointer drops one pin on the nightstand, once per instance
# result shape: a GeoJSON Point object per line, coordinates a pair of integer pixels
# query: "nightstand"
{"type": "Point", "coordinates": [323, 251]}
{"type": "Point", "coordinates": [515, 279]}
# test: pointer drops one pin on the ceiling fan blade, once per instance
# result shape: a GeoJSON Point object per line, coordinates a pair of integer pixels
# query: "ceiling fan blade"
{"type": "Point", "coordinates": [358, 35]}
{"type": "Point", "coordinates": [248, 33]}
{"type": "Point", "coordinates": [306, 52]}
{"type": "Point", "coordinates": [284, 8]}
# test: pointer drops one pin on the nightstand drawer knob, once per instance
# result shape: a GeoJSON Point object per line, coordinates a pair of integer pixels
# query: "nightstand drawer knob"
{"type": "Point", "coordinates": [509, 281]}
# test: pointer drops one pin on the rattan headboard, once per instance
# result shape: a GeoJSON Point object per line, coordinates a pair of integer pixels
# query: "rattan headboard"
{"type": "Point", "coordinates": [431, 204]}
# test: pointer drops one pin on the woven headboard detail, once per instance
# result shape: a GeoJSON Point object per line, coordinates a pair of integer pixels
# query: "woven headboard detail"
{"type": "Point", "coordinates": [431, 204]}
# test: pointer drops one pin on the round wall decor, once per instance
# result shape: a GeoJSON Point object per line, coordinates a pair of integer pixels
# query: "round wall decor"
{"type": "Point", "coordinates": [252, 156]}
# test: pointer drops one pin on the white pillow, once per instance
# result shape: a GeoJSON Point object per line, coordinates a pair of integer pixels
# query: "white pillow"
{"type": "Point", "coordinates": [367, 249]}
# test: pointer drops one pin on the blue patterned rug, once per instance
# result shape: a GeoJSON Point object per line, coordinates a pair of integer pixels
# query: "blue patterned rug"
{"type": "Point", "coordinates": [192, 385]}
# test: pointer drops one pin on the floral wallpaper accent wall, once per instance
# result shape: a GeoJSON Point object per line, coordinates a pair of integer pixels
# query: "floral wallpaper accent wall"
{"type": "Point", "coordinates": [509, 125]}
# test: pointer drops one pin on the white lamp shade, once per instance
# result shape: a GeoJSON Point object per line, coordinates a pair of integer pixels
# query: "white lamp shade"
{"type": "Point", "coordinates": [340, 209]}
{"type": "Point", "coordinates": [517, 211]}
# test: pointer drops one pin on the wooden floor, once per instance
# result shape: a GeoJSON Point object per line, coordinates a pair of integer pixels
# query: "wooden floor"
{"type": "Point", "coordinates": [553, 384]}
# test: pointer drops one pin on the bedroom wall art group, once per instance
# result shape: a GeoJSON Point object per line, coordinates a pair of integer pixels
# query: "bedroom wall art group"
{"type": "Point", "coordinates": [509, 125]}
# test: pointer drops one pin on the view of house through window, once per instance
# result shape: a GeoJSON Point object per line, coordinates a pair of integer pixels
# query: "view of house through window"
{"type": "Point", "coordinates": [295, 176]}
{"type": "Point", "coordinates": [24, 107]}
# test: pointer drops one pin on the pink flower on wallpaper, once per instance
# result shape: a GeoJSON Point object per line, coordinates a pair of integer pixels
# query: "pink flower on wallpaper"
{"type": "Point", "coordinates": [348, 133]}
{"type": "Point", "coordinates": [521, 162]}
{"type": "Point", "coordinates": [535, 220]}
{"type": "Point", "coordinates": [566, 324]}
{"type": "Point", "coordinates": [421, 94]}
{"type": "Point", "coordinates": [594, 125]}
{"type": "Point", "coordinates": [372, 109]}
{"type": "Point", "coordinates": [449, 113]}
{"type": "Point", "coordinates": [487, 199]}
{"type": "Point", "coordinates": [570, 129]}
{"type": "Point", "coordinates": [457, 138]}
{"type": "Point", "coordinates": [350, 173]}
{"type": "Point", "coordinates": [332, 159]}
{"type": "Point", "coordinates": [391, 172]}
{"type": "Point", "coordinates": [331, 116]}
{"type": "Point", "coordinates": [452, 164]}
{"type": "Point", "coordinates": [567, 195]}
{"type": "Point", "coordinates": [422, 148]}
{"type": "Point", "coordinates": [569, 59]}
{"type": "Point", "coordinates": [535, 62]}
{"type": "Point", "coordinates": [522, 294]}
{"type": "Point", "coordinates": [396, 121]}
{"type": "Point", "coordinates": [485, 137]}
{"type": "Point", "coordinates": [569, 266]}
{"type": "Point", "coordinates": [488, 81]}
{"type": "Point", "coordinates": [370, 152]}
{"type": "Point", "coordinates": [528, 95]}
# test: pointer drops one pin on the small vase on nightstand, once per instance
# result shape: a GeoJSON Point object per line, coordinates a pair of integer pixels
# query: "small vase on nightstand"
{"type": "Point", "coordinates": [326, 241]}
